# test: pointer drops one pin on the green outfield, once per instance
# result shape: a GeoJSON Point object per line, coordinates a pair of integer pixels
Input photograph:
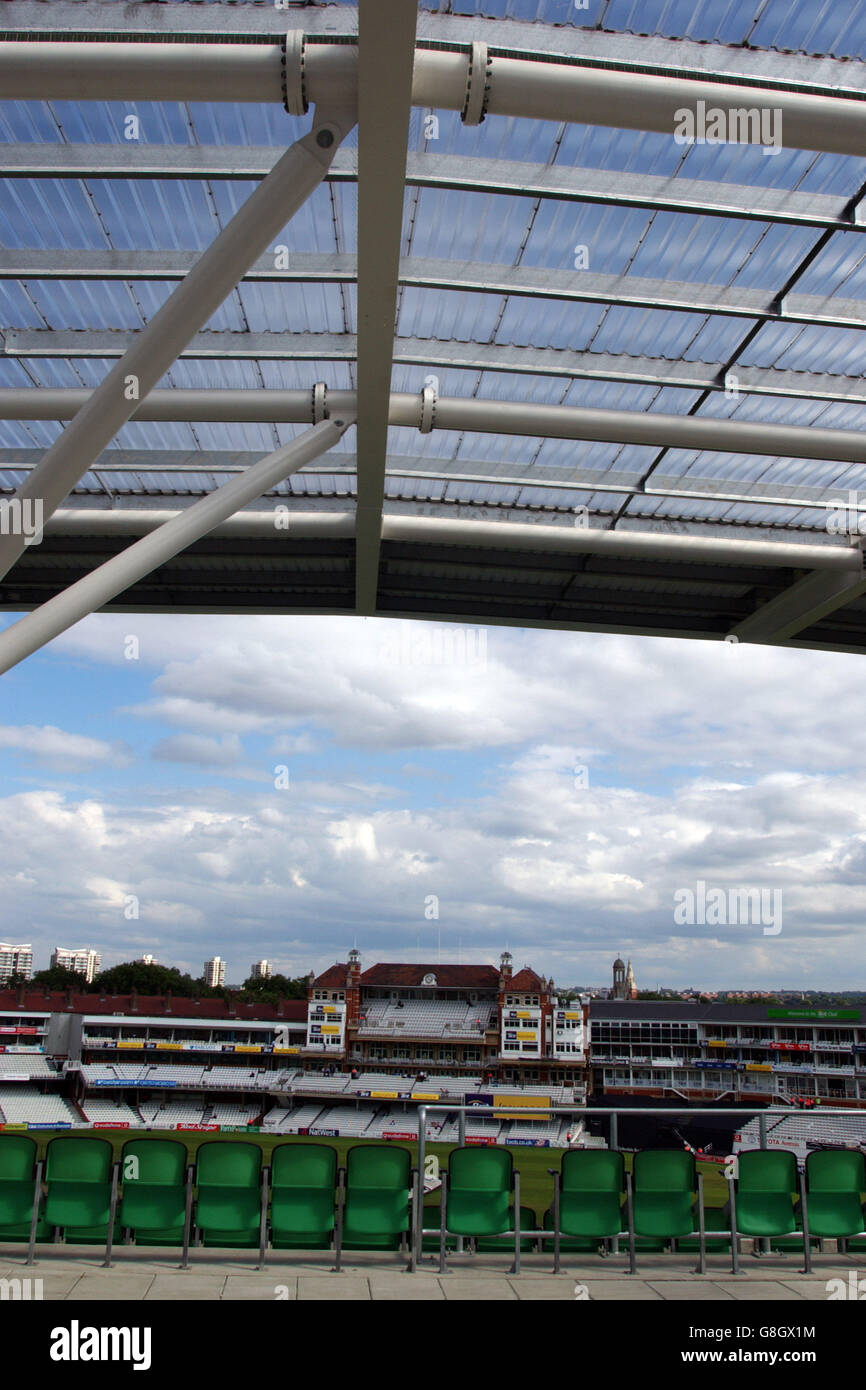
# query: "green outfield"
{"type": "Point", "coordinates": [536, 1185]}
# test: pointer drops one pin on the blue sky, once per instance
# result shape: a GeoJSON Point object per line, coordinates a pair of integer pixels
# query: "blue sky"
{"type": "Point", "coordinates": [423, 774]}
{"type": "Point", "coordinates": [154, 779]}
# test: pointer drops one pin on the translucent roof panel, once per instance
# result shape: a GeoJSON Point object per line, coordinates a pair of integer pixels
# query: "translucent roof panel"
{"type": "Point", "coordinates": [628, 331]}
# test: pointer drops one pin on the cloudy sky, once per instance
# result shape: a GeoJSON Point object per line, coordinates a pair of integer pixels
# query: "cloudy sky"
{"type": "Point", "coordinates": [289, 787]}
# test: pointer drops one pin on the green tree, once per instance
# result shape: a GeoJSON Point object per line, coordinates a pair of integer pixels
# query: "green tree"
{"type": "Point", "coordinates": [256, 991]}
{"type": "Point", "coordinates": [151, 979]}
{"type": "Point", "coordinates": [58, 977]}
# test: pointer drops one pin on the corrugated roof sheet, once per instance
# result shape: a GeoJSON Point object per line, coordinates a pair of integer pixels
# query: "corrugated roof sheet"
{"type": "Point", "coordinates": [463, 226]}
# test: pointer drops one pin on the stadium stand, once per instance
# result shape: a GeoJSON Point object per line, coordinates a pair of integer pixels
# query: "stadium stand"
{"type": "Point", "coordinates": [25, 1105]}
{"type": "Point", "coordinates": [803, 1133]}
{"type": "Point", "coordinates": [318, 1081]}
{"type": "Point", "coordinates": [104, 1111]}
{"type": "Point", "coordinates": [25, 1064]}
{"type": "Point", "coordinates": [175, 1112]}
{"type": "Point", "coordinates": [349, 1121]}
{"type": "Point", "coordinates": [291, 1120]}
{"type": "Point", "coordinates": [427, 1019]}
{"type": "Point", "coordinates": [221, 1114]}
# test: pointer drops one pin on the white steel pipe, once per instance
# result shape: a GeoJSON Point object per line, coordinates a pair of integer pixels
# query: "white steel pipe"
{"type": "Point", "coordinates": [516, 86]}
{"type": "Point", "coordinates": [101, 585]}
{"type": "Point", "coordinates": [650, 545]}
{"type": "Point", "coordinates": [140, 521]}
{"type": "Point", "coordinates": [246, 237]}
{"type": "Point", "coordinates": [459, 413]}
{"type": "Point", "coordinates": [431, 531]}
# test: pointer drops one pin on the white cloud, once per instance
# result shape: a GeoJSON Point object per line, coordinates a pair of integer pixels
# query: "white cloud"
{"type": "Point", "coordinates": [705, 762]}
{"type": "Point", "coordinates": [50, 747]}
{"type": "Point", "coordinates": [195, 748]}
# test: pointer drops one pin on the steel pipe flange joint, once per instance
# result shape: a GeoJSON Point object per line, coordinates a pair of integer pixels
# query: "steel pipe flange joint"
{"type": "Point", "coordinates": [294, 76]}
{"type": "Point", "coordinates": [320, 402]}
{"type": "Point", "coordinates": [477, 85]}
{"type": "Point", "coordinates": [428, 409]}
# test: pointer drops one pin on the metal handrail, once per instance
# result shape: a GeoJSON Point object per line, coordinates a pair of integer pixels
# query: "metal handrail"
{"type": "Point", "coordinates": [760, 1113]}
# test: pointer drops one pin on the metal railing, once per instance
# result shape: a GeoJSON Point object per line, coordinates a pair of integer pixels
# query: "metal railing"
{"type": "Point", "coordinates": [506, 1111]}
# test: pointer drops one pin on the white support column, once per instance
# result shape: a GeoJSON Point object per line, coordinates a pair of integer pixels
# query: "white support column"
{"type": "Point", "coordinates": [296, 175]}
{"type": "Point", "coordinates": [386, 53]}
{"type": "Point", "coordinates": [117, 574]}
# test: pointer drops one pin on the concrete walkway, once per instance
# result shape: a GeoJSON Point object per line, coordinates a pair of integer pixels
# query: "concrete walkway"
{"type": "Point", "coordinates": [75, 1273]}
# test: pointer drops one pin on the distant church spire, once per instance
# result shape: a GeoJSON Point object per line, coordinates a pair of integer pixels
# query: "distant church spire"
{"type": "Point", "coordinates": [630, 986]}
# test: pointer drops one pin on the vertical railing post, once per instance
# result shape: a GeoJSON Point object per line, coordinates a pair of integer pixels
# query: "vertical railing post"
{"type": "Point", "coordinates": [461, 1137]}
{"type": "Point", "coordinates": [419, 1211]}
{"type": "Point", "coordinates": [764, 1243]}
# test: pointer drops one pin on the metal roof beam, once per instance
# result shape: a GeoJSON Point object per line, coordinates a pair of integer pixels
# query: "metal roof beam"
{"type": "Point", "coordinates": [154, 350]}
{"type": "Point", "coordinates": [386, 50]}
{"type": "Point", "coordinates": [475, 472]}
{"type": "Point", "coordinates": [628, 291]}
{"type": "Point", "coordinates": [475, 357]}
{"type": "Point", "coordinates": [562, 41]}
{"type": "Point", "coordinates": [101, 585]}
{"type": "Point", "coordinates": [469, 174]}
{"type": "Point", "coordinates": [472, 413]}
{"type": "Point", "coordinates": [801, 605]}
{"type": "Point", "coordinates": [441, 535]}
{"type": "Point", "coordinates": [530, 87]}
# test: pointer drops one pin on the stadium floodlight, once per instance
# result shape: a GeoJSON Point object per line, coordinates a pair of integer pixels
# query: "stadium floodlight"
{"type": "Point", "coordinates": [246, 237]}
{"type": "Point", "coordinates": [104, 583]}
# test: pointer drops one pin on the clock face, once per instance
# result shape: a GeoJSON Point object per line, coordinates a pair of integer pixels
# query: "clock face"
{"type": "Point", "coordinates": [429, 980]}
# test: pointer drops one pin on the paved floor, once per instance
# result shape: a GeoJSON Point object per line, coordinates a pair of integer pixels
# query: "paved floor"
{"type": "Point", "coordinates": [75, 1273]}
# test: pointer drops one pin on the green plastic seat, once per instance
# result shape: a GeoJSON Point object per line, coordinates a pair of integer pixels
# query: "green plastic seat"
{"type": "Point", "coordinates": [766, 1186]}
{"type": "Point", "coordinates": [153, 1205]}
{"type": "Point", "coordinates": [78, 1181]}
{"type": "Point", "coordinates": [592, 1182]}
{"type": "Point", "coordinates": [229, 1201]}
{"type": "Point", "coordinates": [528, 1221]}
{"type": "Point", "coordinates": [665, 1189]}
{"type": "Point", "coordinates": [567, 1242]}
{"type": "Point", "coordinates": [479, 1191]}
{"type": "Point", "coordinates": [92, 1235]}
{"type": "Point", "coordinates": [18, 1171]}
{"type": "Point", "coordinates": [717, 1224]}
{"type": "Point", "coordinates": [14, 1235]}
{"type": "Point", "coordinates": [835, 1183]}
{"type": "Point", "coordinates": [376, 1215]}
{"type": "Point", "coordinates": [431, 1223]}
{"type": "Point", "coordinates": [303, 1181]}
{"type": "Point", "coordinates": [17, 1181]}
